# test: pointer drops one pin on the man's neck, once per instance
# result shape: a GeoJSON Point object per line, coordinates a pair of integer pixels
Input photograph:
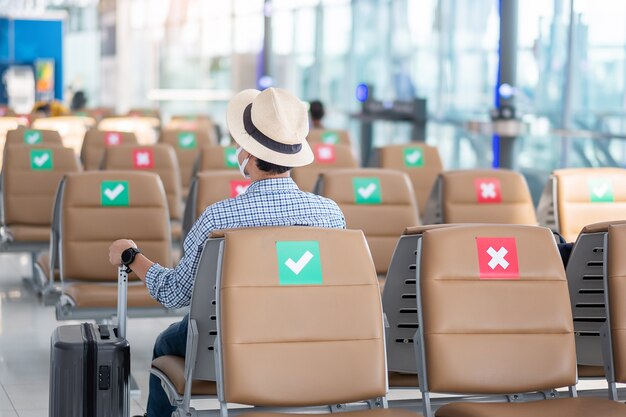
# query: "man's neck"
{"type": "Point", "coordinates": [269, 176]}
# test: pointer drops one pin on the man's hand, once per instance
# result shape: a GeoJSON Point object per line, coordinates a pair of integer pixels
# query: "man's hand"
{"type": "Point", "coordinates": [116, 249]}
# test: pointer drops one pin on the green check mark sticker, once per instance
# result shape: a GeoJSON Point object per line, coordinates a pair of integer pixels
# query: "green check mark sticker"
{"type": "Point", "coordinates": [366, 190]}
{"type": "Point", "coordinates": [230, 158]}
{"type": "Point", "coordinates": [32, 137]}
{"type": "Point", "coordinates": [413, 157]}
{"type": "Point", "coordinates": [114, 193]}
{"type": "Point", "coordinates": [330, 138]}
{"type": "Point", "coordinates": [41, 160]}
{"type": "Point", "coordinates": [187, 140]}
{"type": "Point", "coordinates": [600, 190]}
{"type": "Point", "coordinates": [299, 262]}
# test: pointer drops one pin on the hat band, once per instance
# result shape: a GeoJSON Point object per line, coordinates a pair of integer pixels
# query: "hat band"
{"type": "Point", "coordinates": [264, 140]}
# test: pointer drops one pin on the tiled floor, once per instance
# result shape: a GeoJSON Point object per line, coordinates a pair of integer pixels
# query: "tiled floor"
{"type": "Point", "coordinates": [25, 329]}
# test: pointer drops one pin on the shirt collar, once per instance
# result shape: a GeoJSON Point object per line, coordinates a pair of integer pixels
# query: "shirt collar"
{"type": "Point", "coordinates": [272, 184]}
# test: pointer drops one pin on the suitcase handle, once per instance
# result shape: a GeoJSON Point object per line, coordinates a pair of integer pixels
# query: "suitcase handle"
{"type": "Point", "coordinates": [122, 288]}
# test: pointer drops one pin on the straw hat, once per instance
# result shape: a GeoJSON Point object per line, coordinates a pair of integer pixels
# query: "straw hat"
{"type": "Point", "coordinates": [271, 125]}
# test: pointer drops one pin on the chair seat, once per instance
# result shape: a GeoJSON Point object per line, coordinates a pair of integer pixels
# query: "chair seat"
{"type": "Point", "coordinates": [570, 407]}
{"type": "Point", "coordinates": [377, 412]}
{"type": "Point", "coordinates": [400, 380]}
{"type": "Point", "coordinates": [588, 371]}
{"type": "Point", "coordinates": [174, 368]}
{"type": "Point", "coordinates": [104, 295]}
{"type": "Point", "coordinates": [29, 233]}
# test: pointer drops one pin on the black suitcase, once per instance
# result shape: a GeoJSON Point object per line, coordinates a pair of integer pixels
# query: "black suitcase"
{"type": "Point", "coordinates": [90, 367]}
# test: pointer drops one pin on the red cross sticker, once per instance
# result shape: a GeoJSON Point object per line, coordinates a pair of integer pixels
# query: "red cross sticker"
{"type": "Point", "coordinates": [497, 257]}
{"type": "Point", "coordinates": [487, 190]}
{"type": "Point", "coordinates": [112, 138]}
{"type": "Point", "coordinates": [143, 158]}
{"type": "Point", "coordinates": [325, 154]}
{"type": "Point", "coordinates": [238, 187]}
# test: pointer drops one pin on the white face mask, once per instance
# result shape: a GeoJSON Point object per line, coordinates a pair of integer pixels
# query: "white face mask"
{"type": "Point", "coordinates": [242, 166]}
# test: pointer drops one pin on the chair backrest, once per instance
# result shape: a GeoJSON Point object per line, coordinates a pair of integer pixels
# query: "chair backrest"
{"type": "Point", "coordinates": [616, 285]}
{"type": "Point", "coordinates": [327, 157]}
{"type": "Point", "coordinates": [187, 144]}
{"type": "Point", "coordinates": [97, 141]}
{"type": "Point", "coordinates": [329, 136]}
{"type": "Point", "coordinates": [588, 195]}
{"type": "Point", "coordinates": [306, 347]}
{"type": "Point", "coordinates": [493, 300]}
{"type": "Point", "coordinates": [30, 178]}
{"type": "Point", "coordinates": [33, 137]}
{"type": "Point", "coordinates": [480, 196]}
{"type": "Point", "coordinates": [144, 112]}
{"type": "Point", "coordinates": [378, 201]}
{"type": "Point", "coordinates": [419, 161]}
{"type": "Point", "coordinates": [208, 188]}
{"type": "Point", "coordinates": [160, 159]}
{"type": "Point", "coordinates": [99, 207]}
{"type": "Point", "coordinates": [213, 158]}
{"type": "Point", "coordinates": [144, 128]}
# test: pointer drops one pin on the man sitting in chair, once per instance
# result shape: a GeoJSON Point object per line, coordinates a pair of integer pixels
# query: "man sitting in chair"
{"type": "Point", "coordinates": [269, 128]}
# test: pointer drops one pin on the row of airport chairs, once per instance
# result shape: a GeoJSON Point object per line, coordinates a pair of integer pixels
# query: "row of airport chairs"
{"type": "Point", "coordinates": [494, 326]}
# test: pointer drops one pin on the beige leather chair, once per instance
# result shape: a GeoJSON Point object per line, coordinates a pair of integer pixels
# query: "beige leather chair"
{"type": "Point", "coordinates": [501, 309]}
{"type": "Point", "coordinates": [187, 144]}
{"type": "Point", "coordinates": [30, 178]}
{"type": "Point", "coordinates": [343, 348]}
{"type": "Point", "coordinates": [378, 201]}
{"type": "Point", "coordinates": [327, 157]}
{"type": "Point", "coordinates": [96, 113]}
{"type": "Point", "coordinates": [329, 136]}
{"type": "Point", "coordinates": [212, 158]}
{"type": "Point", "coordinates": [419, 161]}
{"type": "Point", "coordinates": [576, 197]}
{"type": "Point", "coordinates": [208, 188]}
{"type": "Point", "coordinates": [160, 159]}
{"type": "Point", "coordinates": [144, 112]}
{"type": "Point", "coordinates": [97, 141]}
{"type": "Point", "coordinates": [480, 196]}
{"type": "Point", "coordinates": [94, 209]}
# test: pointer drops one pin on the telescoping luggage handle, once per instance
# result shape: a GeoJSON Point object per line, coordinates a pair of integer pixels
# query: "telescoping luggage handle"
{"type": "Point", "coordinates": [122, 288]}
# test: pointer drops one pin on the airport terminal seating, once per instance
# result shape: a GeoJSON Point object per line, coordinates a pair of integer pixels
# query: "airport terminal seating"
{"type": "Point", "coordinates": [195, 122]}
{"type": "Point", "coordinates": [329, 137]}
{"type": "Point", "coordinates": [378, 201]}
{"type": "Point", "coordinates": [24, 136]}
{"type": "Point", "coordinates": [343, 347]}
{"type": "Point", "coordinates": [480, 196]}
{"type": "Point", "coordinates": [419, 161]}
{"type": "Point", "coordinates": [187, 144]}
{"type": "Point", "coordinates": [501, 309]}
{"type": "Point", "coordinates": [327, 157]}
{"type": "Point", "coordinates": [71, 128]}
{"type": "Point", "coordinates": [209, 187]}
{"type": "Point", "coordinates": [144, 112]}
{"type": "Point", "coordinates": [160, 159]}
{"type": "Point", "coordinates": [96, 142]}
{"type": "Point", "coordinates": [576, 197]}
{"type": "Point", "coordinates": [30, 178]}
{"type": "Point", "coordinates": [92, 210]}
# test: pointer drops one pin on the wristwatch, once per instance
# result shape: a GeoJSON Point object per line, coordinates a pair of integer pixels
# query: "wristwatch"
{"type": "Point", "coordinates": [128, 256]}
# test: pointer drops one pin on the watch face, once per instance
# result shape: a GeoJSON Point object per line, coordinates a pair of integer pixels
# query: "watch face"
{"type": "Point", "coordinates": [127, 255]}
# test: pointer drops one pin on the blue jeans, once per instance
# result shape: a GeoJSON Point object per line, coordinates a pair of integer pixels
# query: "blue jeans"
{"type": "Point", "coordinates": [172, 341]}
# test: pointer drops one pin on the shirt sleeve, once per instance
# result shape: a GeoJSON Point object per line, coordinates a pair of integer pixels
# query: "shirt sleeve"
{"type": "Point", "coordinates": [173, 287]}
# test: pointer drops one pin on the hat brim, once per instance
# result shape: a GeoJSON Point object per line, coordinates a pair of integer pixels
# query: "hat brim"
{"type": "Point", "coordinates": [234, 121]}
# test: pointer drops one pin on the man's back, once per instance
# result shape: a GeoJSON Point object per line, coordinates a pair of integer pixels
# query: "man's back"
{"type": "Point", "coordinates": [269, 202]}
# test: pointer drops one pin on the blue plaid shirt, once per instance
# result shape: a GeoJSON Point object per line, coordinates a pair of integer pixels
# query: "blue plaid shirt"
{"type": "Point", "coordinates": [270, 202]}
